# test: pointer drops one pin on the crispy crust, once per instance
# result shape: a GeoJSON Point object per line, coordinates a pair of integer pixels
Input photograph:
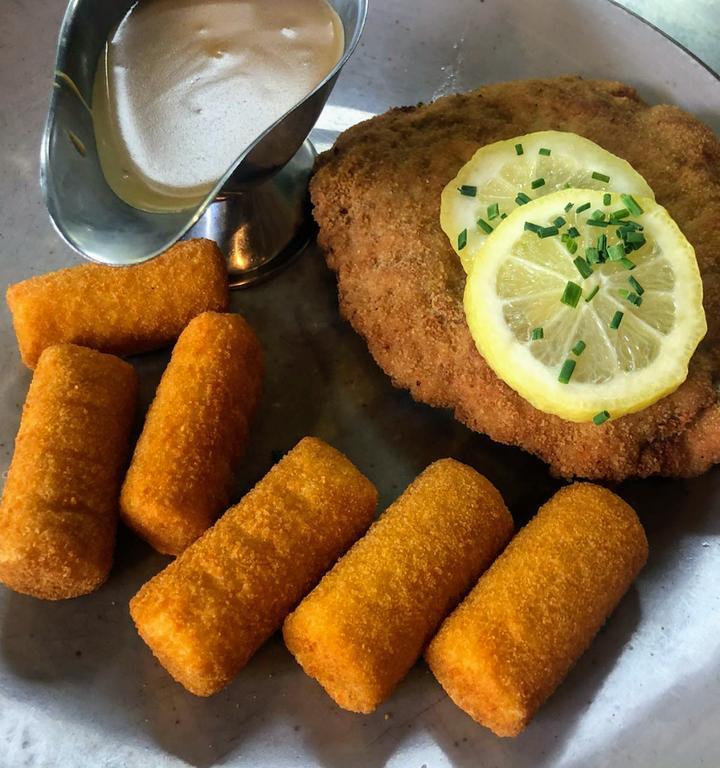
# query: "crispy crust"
{"type": "Point", "coordinates": [195, 433]}
{"type": "Point", "coordinates": [377, 196]}
{"type": "Point", "coordinates": [122, 310]}
{"type": "Point", "coordinates": [533, 613]}
{"type": "Point", "coordinates": [59, 509]}
{"type": "Point", "coordinates": [362, 628]}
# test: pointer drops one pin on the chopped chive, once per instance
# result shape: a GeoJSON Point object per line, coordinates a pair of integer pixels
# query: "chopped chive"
{"type": "Point", "coordinates": [537, 334]}
{"type": "Point", "coordinates": [568, 207]}
{"type": "Point", "coordinates": [566, 185]}
{"type": "Point", "coordinates": [636, 286]}
{"type": "Point", "coordinates": [503, 216]}
{"type": "Point", "coordinates": [566, 371]}
{"type": "Point", "coordinates": [592, 294]}
{"type": "Point", "coordinates": [462, 239]}
{"type": "Point", "coordinates": [522, 198]}
{"type": "Point", "coordinates": [632, 205]}
{"type": "Point", "coordinates": [571, 294]}
{"type": "Point", "coordinates": [618, 215]}
{"type": "Point", "coordinates": [467, 190]}
{"type": "Point", "coordinates": [616, 252]}
{"type": "Point", "coordinates": [598, 215]}
{"type": "Point", "coordinates": [486, 228]}
{"type": "Point", "coordinates": [544, 151]}
{"type": "Point", "coordinates": [519, 149]}
{"type": "Point", "coordinates": [536, 183]}
{"type": "Point", "coordinates": [570, 244]}
{"type": "Point", "coordinates": [582, 208]}
{"type": "Point", "coordinates": [548, 232]}
{"type": "Point", "coordinates": [493, 211]}
{"type": "Point", "coordinates": [530, 227]}
{"type": "Point", "coordinates": [559, 222]}
{"type": "Point", "coordinates": [634, 299]}
{"type": "Point", "coordinates": [596, 223]}
{"type": "Point", "coordinates": [592, 255]}
{"type": "Point", "coordinates": [600, 177]}
{"type": "Point", "coordinates": [617, 319]}
{"type": "Point", "coordinates": [628, 263]}
{"type": "Point", "coordinates": [602, 243]}
{"type": "Point", "coordinates": [623, 293]}
{"type": "Point", "coordinates": [579, 348]}
{"type": "Point", "coordinates": [607, 198]}
{"type": "Point", "coordinates": [572, 232]}
{"type": "Point", "coordinates": [635, 238]}
{"type": "Point", "coordinates": [583, 267]}
{"type": "Point", "coordinates": [600, 418]}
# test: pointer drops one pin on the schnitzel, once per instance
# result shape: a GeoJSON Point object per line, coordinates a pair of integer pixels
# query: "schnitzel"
{"type": "Point", "coordinates": [376, 197]}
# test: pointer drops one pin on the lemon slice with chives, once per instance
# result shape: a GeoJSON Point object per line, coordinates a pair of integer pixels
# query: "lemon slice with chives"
{"type": "Point", "coordinates": [589, 311]}
{"type": "Point", "coordinates": [502, 176]}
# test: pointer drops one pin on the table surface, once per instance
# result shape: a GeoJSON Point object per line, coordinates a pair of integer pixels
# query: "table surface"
{"type": "Point", "coordinates": [29, 245]}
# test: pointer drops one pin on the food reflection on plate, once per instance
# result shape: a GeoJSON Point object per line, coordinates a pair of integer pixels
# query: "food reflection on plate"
{"type": "Point", "coordinates": [584, 220]}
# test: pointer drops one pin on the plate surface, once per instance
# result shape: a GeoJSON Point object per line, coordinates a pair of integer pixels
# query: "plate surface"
{"type": "Point", "coordinates": [77, 686]}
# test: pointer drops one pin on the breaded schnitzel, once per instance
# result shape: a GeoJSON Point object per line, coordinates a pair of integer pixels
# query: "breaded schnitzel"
{"type": "Point", "coordinates": [377, 197]}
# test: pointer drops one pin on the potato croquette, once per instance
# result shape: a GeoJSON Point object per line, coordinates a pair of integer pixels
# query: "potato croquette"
{"type": "Point", "coordinates": [207, 613]}
{"type": "Point", "coordinates": [58, 513]}
{"type": "Point", "coordinates": [366, 623]}
{"type": "Point", "coordinates": [195, 433]}
{"type": "Point", "coordinates": [122, 310]}
{"type": "Point", "coordinates": [533, 613]}
{"type": "Point", "coordinates": [401, 285]}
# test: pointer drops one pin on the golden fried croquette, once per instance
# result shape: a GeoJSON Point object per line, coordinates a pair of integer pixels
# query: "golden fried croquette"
{"type": "Point", "coordinates": [59, 509]}
{"type": "Point", "coordinates": [123, 310]}
{"type": "Point", "coordinates": [207, 613]}
{"type": "Point", "coordinates": [377, 201]}
{"type": "Point", "coordinates": [362, 628]}
{"type": "Point", "coordinates": [533, 613]}
{"type": "Point", "coordinates": [195, 433]}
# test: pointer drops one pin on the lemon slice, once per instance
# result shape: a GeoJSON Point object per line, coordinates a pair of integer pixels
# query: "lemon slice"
{"type": "Point", "coordinates": [497, 174]}
{"type": "Point", "coordinates": [587, 334]}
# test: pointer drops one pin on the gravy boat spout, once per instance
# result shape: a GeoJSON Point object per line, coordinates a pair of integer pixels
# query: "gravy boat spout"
{"type": "Point", "coordinates": [98, 224]}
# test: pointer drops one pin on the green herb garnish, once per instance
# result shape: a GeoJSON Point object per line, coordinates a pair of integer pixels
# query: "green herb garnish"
{"type": "Point", "coordinates": [617, 319]}
{"type": "Point", "coordinates": [537, 334]}
{"type": "Point", "coordinates": [486, 228]}
{"type": "Point", "coordinates": [544, 151]}
{"type": "Point", "coordinates": [600, 177]}
{"type": "Point", "coordinates": [582, 208]}
{"type": "Point", "coordinates": [636, 286]}
{"type": "Point", "coordinates": [607, 198]}
{"type": "Point", "coordinates": [592, 294]}
{"type": "Point", "coordinates": [467, 190]}
{"type": "Point", "coordinates": [537, 183]}
{"type": "Point", "coordinates": [519, 149]}
{"type": "Point", "coordinates": [566, 371]}
{"type": "Point", "coordinates": [616, 252]}
{"type": "Point", "coordinates": [462, 239]}
{"type": "Point", "coordinates": [600, 418]}
{"type": "Point", "coordinates": [579, 348]}
{"type": "Point", "coordinates": [493, 211]}
{"type": "Point", "coordinates": [632, 205]}
{"type": "Point", "coordinates": [522, 198]}
{"type": "Point", "coordinates": [571, 294]}
{"type": "Point", "coordinates": [583, 267]}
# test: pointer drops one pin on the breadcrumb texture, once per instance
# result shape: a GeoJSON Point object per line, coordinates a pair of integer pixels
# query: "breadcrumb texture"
{"type": "Point", "coordinates": [367, 622]}
{"type": "Point", "coordinates": [195, 433]}
{"type": "Point", "coordinates": [123, 310]}
{"type": "Point", "coordinates": [207, 613]}
{"type": "Point", "coordinates": [377, 198]}
{"type": "Point", "coordinates": [58, 513]}
{"type": "Point", "coordinates": [533, 613]}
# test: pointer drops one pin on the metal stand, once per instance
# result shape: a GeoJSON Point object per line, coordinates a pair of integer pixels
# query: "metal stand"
{"type": "Point", "coordinates": [261, 229]}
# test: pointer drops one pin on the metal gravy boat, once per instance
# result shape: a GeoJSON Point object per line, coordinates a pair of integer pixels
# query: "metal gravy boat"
{"type": "Point", "coordinates": [258, 211]}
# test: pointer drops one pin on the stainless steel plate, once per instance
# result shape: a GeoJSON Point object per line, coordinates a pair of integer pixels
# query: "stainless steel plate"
{"type": "Point", "coordinates": [77, 686]}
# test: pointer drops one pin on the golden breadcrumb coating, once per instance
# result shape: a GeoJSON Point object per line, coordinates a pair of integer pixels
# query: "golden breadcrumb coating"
{"type": "Point", "coordinates": [123, 310]}
{"type": "Point", "coordinates": [195, 433]}
{"type": "Point", "coordinates": [377, 201]}
{"type": "Point", "coordinates": [364, 626]}
{"type": "Point", "coordinates": [59, 509]}
{"type": "Point", "coordinates": [207, 613]}
{"type": "Point", "coordinates": [533, 613]}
